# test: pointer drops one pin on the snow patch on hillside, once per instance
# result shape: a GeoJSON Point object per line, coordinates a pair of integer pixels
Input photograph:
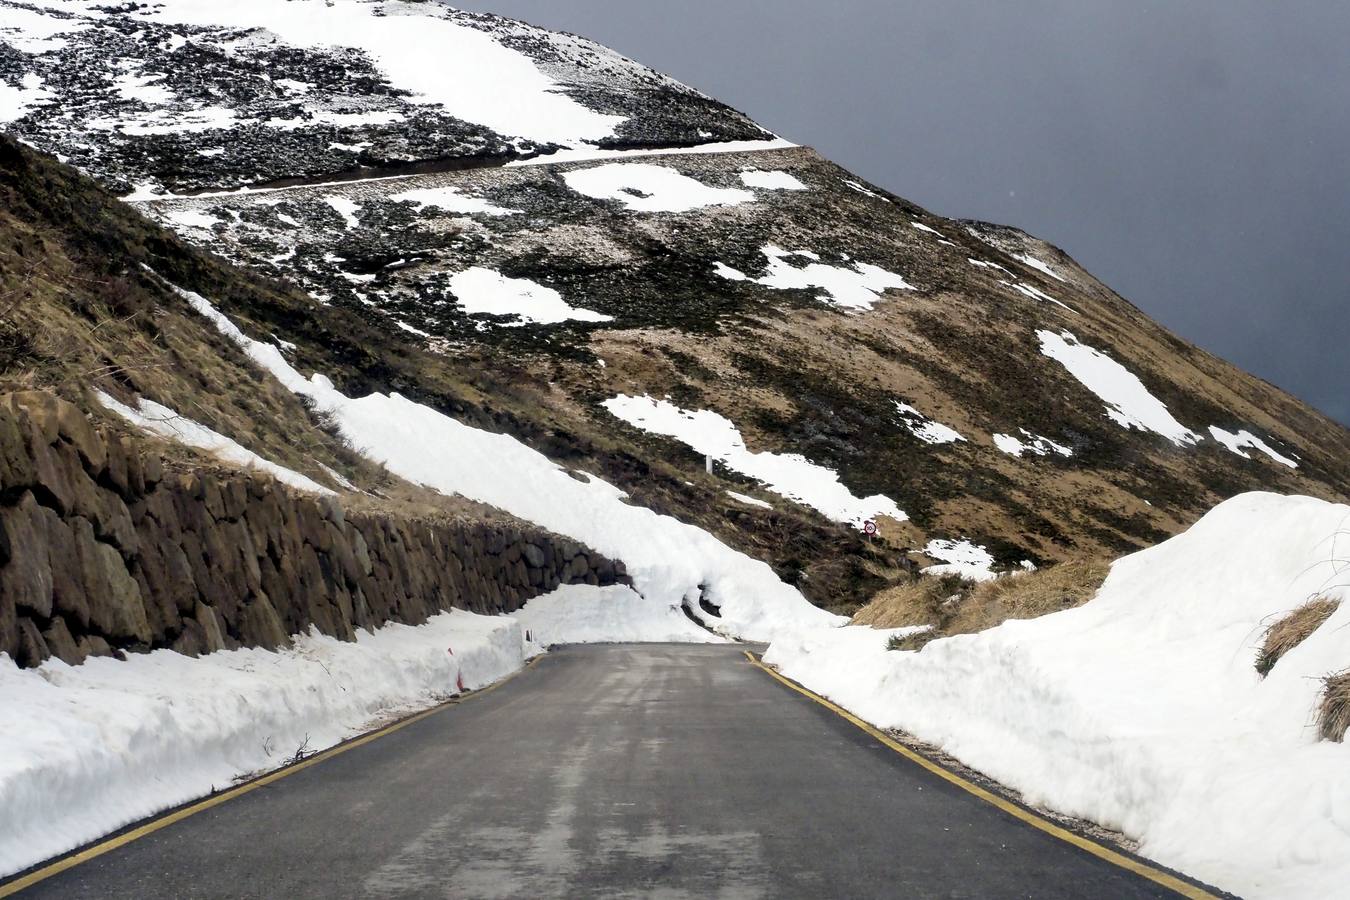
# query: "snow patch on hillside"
{"type": "Point", "coordinates": [848, 182]}
{"type": "Point", "coordinates": [788, 474]}
{"type": "Point", "coordinates": [449, 199]}
{"type": "Point", "coordinates": [1142, 710]}
{"type": "Point", "coordinates": [483, 290]}
{"type": "Point", "coordinates": [88, 749]}
{"type": "Point", "coordinates": [343, 206]}
{"type": "Point", "coordinates": [1029, 260]}
{"type": "Point", "coordinates": [15, 102]}
{"type": "Point", "coordinates": [960, 557]}
{"type": "Point", "coordinates": [925, 429]}
{"type": "Point", "coordinates": [1036, 293]}
{"type": "Point", "coordinates": [1033, 443]}
{"type": "Point", "coordinates": [160, 420]}
{"type": "Point", "coordinates": [772, 181]}
{"type": "Point", "coordinates": [1244, 439]}
{"type": "Point", "coordinates": [648, 188]}
{"type": "Point", "coordinates": [669, 561]}
{"type": "Point", "coordinates": [142, 88]}
{"type": "Point", "coordinates": [855, 287]}
{"type": "Point", "coordinates": [1128, 402]}
{"type": "Point", "coordinates": [986, 264]}
{"type": "Point", "coordinates": [162, 121]}
{"type": "Point", "coordinates": [189, 219]}
{"type": "Point", "coordinates": [312, 117]}
{"type": "Point", "coordinates": [580, 614]}
{"type": "Point", "coordinates": [748, 500]}
{"type": "Point", "coordinates": [33, 32]}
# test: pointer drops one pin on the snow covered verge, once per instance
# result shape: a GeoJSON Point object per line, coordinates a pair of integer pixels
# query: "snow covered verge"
{"type": "Point", "coordinates": [87, 749]}
{"type": "Point", "coordinates": [1143, 710]}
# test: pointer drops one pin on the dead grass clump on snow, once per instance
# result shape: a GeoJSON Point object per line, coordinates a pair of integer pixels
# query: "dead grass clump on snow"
{"type": "Point", "coordinates": [1333, 718]}
{"type": "Point", "coordinates": [1062, 586]}
{"type": "Point", "coordinates": [918, 601]}
{"type": "Point", "coordinates": [953, 605]}
{"type": "Point", "coordinates": [916, 641]}
{"type": "Point", "coordinates": [1292, 630]}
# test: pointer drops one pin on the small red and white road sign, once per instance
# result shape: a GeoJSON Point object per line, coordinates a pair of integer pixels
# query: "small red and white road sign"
{"type": "Point", "coordinates": [869, 528]}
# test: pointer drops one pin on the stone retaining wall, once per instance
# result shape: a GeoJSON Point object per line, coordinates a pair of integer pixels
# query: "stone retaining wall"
{"type": "Point", "coordinates": [102, 551]}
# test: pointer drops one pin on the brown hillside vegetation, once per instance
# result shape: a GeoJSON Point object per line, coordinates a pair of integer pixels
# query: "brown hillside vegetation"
{"type": "Point", "coordinates": [792, 372]}
{"type": "Point", "coordinates": [86, 302]}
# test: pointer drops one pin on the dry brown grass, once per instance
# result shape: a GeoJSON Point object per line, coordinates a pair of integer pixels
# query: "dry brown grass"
{"type": "Point", "coordinates": [1030, 596]}
{"type": "Point", "coordinates": [1333, 717]}
{"type": "Point", "coordinates": [916, 641]}
{"type": "Point", "coordinates": [955, 606]}
{"type": "Point", "coordinates": [1292, 630]}
{"type": "Point", "coordinates": [65, 330]}
{"type": "Point", "coordinates": [918, 601]}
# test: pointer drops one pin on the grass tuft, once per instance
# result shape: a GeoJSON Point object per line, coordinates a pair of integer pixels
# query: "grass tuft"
{"type": "Point", "coordinates": [917, 601]}
{"type": "Point", "coordinates": [1292, 630]}
{"type": "Point", "coordinates": [1333, 718]}
{"type": "Point", "coordinates": [916, 641]}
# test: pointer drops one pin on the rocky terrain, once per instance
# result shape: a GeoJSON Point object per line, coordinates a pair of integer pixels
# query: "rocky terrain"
{"type": "Point", "coordinates": [547, 240]}
{"type": "Point", "coordinates": [192, 96]}
{"type": "Point", "coordinates": [106, 549]}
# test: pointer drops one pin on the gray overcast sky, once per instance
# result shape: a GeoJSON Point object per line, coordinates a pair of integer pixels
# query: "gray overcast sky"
{"type": "Point", "coordinates": [1193, 154]}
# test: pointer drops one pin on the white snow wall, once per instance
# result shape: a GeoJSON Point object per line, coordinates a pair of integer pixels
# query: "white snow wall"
{"type": "Point", "coordinates": [101, 550]}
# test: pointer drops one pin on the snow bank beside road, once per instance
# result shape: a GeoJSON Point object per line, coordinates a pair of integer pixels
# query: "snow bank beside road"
{"type": "Point", "coordinates": [1142, 710]}
{"type": "Point", "coordinates": [85, 750]}
{"type": "Point", "coordinates": [581, 614]}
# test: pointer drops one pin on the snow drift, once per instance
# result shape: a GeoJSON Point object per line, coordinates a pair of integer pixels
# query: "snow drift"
{"type": "Point", "coordinates": [1143, 710]}
{"type": "Point", "coordinates": [85, 750]}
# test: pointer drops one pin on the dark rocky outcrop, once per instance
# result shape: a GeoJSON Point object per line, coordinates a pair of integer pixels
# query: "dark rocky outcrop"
{"type": "Point", "coordinates": [104, 550]}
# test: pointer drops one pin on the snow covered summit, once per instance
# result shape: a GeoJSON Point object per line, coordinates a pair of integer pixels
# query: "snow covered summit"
{"type": "Point", "coordinates": [191, 94]}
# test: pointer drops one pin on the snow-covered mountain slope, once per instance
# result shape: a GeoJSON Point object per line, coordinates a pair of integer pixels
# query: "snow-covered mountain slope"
{"type": "Point", "coordinates": [839, 353]}
{"type": "Point", "coordinates": [190, 93]}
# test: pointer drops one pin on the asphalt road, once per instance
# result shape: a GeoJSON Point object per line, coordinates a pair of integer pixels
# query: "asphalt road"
{"type": "Point", "coordinates": [616, 771]}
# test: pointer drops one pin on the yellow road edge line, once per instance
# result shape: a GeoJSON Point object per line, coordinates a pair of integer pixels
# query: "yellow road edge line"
{"type": "Point", "coordinates": [1100, 851]}
{"type": "Point", "coordinates": [96, 850]}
